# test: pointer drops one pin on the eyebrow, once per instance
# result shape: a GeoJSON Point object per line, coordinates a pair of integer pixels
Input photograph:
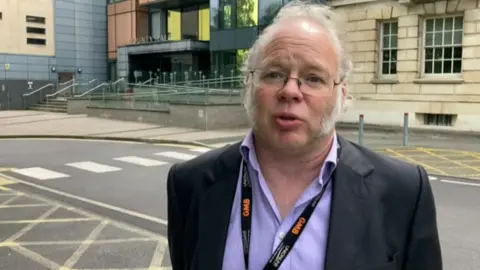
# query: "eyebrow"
{"type": "Point", "coordinates": [309, 65]}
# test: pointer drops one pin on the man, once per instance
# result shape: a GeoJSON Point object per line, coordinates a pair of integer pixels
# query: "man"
{"type": "Point", "coordinates": [293, 194]}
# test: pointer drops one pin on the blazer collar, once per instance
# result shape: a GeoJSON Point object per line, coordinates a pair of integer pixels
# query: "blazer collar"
{"type": "Point", "coordinates": [350, 210]}
{"type": "Point", "coordinates": [215, 206]}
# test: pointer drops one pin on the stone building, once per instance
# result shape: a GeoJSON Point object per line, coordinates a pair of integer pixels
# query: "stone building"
{"type": "Point", "coordinates": [419, 57]}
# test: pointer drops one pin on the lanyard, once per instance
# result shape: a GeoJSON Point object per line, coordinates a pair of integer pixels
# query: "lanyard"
{"type": "Point", "coordinates": [290, 238]}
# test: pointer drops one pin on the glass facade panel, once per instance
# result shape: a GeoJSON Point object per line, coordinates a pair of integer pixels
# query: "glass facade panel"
{"type": "Point", "coordinates": [174, 25]}
{"type": "Point", "coordinates": [268, 9]}
{"type": "Point", "coordinates": [214, 13]}
{"type": "Point", "coordinates": [223, 63]}
{"type": "Point", "coordinates": [228, 63]}
{"type": "Point", "coordinates": [241, 55]}
{"type": "Point", "coordinates": [204, 23]}
{"type": "Point", "coordinates": [189, 23]}
{"type": "Point", "coordinates": [224, 17]}
{"type": "Point", "coordinates": [246, 13]}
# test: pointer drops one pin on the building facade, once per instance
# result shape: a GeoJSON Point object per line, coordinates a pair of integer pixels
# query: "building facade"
{"type": "Point", "coordinates": [416, 57]}
{"type": "Point", "coordinates": [46, 41]}
{"type": "Point", "coordinates": [184, 39]}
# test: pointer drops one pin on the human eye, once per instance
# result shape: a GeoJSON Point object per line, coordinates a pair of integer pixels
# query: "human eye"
{"type": "Point", "coordinates": [314, 80]}
{"type": "Point", "coordinates": [273, 76]}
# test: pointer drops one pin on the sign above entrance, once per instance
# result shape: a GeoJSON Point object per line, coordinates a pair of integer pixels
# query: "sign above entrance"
{"type": "Point", "coordinates": [149, 39]}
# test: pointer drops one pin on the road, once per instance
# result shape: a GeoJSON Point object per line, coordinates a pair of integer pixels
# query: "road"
{"type": "Point", "coordinates": [101, 183]}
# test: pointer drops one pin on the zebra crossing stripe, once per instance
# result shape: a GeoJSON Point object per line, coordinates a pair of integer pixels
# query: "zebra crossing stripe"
{"type": "Point", "coordinates": [176, 155]}
{"type": "Point", "coordinates": [93, 167]}
{"type": "Point", "coordinates": [201, 150]}
{"type": "Point", "coordinates": [40, 173]}
{"type": "Point", "coordinates": [141, 161]}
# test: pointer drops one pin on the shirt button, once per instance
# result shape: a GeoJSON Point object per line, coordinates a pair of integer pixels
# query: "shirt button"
{"type": "Point", "coordinates": [281, 235]}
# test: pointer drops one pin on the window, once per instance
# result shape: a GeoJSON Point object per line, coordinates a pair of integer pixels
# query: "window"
{"type": "Point", "coordinates": [36, 41]}
{"type": "Point", "coordinates": [443, 45]}
{"type": "Point", "coordinates": [247, 13]}
{"type": "Point", "coordinates": [388, 48]}
{"type": "Point", "coordinates": [33, 19]}
{"type": "Point", "coordinates": [189, 23]}
{"type": "Point", "coordinates": [268, 9]}
{"type": "Point", "coordinates": [225, 14]}
{"type": "Point", "coordinates": [438, 119]}
{"type": "Point", "coordinates": [36, 30]}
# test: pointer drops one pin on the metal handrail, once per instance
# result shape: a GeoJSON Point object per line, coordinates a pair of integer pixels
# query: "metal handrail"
{"type": "Point", "coordinates": [170, 92]}
{"type": "Point", "coordinates": [37, 90]}
{"type": "Point", "coordinates": [60, 91]}
{"type": "Point", "coordinates": [147, 81]}
{"type": "Point", "coordinates": [67, 82]}
{"type": "Point", "coordinates": [117, 81]}
{"type": "Point", "coordinates": [91, 90]}
{"type": "Point", "coordinates": [240, 78]}
{"type": "Point", "coordinates": [92, 81]}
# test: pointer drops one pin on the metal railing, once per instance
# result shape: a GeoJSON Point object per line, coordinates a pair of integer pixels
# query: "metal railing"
{"type": "Point", "coordinates": [62, 91]}
{"type": "Point", "coordinates": [91, 90]}
{"type": "Point", "coordinates": [38, 93]}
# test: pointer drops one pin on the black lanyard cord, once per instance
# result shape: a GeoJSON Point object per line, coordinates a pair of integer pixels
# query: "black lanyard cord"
{"type": "Point", "coordinates": [290, 238]}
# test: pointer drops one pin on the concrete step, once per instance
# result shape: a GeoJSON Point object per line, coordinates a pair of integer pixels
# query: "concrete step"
{"type": "Point", "coordinates": [48, 110]}
{"type": "Point", "coordinates": [56, 105]}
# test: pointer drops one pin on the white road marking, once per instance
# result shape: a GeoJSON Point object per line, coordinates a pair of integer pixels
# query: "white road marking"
{"type": "Point", "coordinates": [201, 150]}
{"type": "Point", "coordinates": [432, 178]}
{"type": "Point", "coordinates": [460, 183]}
{"type": "Point", "coordinates": [86, 200]}
{"type": "Point", "coordinates": [40, 173]}
{"type": "Point", "coordinates": [220, 145]}
{"type": "Point", "coordinates": [93, 167]}
{"type": "Point", "coordinates": [176, 155]}
{"type": "Point", "coordinates": [141, 161]}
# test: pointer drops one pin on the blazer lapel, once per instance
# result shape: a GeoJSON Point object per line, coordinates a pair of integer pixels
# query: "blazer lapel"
{"type": "Point", "coordinates": [215, 206]}
{"type": "Point", "coordinates": [349, 209]}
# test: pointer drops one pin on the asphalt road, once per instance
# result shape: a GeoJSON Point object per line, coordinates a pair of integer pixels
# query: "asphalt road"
{"type": "Point", "coordinates": [125, 182]}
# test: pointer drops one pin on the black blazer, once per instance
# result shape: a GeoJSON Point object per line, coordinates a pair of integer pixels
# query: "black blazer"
{"type": "Point", "coordinates": [383, 214]}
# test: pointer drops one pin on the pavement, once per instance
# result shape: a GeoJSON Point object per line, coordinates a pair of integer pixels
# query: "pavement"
{"type": "Point", "coordinates": [93, 203]}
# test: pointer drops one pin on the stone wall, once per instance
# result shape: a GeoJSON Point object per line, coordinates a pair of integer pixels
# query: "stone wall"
{"type": "Point", "coordinates": [384, 99]}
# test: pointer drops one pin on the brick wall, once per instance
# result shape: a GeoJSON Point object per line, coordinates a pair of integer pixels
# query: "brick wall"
{"type": "Point", "coordinates": [384, 99]}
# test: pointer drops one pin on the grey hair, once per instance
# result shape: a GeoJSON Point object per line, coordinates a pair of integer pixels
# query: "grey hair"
{"type": "Point", "coordinates": [321, 14]}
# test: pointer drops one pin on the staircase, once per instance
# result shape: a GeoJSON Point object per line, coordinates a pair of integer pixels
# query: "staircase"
{"type": "Point", "coordinates": [54, 105]}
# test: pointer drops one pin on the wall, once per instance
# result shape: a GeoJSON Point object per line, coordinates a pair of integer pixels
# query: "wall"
{"type": "Point", "coordinates": [13, 27]}
{"type": "Point", "coordinates": [126, 21]}
{"type": "Point", "coordinates": [384, 99]}
{"type": "Point", "coordinates": [15, 64]}
{"type": "Point", "coordinates": [81, 38]}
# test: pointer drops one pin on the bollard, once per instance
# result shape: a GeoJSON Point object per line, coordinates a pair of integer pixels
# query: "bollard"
{"type": "Point", "coordinates": [360, 131]}
{"type": "Point", "coordinates": [405, 129]}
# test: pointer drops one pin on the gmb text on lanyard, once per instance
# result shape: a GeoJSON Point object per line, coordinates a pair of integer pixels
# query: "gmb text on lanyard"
{"type": "Point", "coordinates": [293, 234]}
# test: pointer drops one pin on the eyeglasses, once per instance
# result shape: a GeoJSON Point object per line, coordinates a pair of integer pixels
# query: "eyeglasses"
{"type": "Point", "coordinates": [278, 80]}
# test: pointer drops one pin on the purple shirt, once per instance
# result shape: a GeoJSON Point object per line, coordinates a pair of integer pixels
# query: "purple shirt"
{"type": "Point", "coordinates": [267, 226]}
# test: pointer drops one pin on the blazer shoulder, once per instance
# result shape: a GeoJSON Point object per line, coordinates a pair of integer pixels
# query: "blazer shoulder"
{"type": "Point", "coordinates": [201, 170]}
{"type": "Point", "coordinates": [393, 172]}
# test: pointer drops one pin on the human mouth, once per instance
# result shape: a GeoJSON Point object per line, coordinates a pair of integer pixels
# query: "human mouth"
{"type": "Point", "coordinates": [287, 121]}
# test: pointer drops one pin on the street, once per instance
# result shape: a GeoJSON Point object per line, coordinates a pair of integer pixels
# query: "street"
{"type": "Point", "coordinates": [107, 182]}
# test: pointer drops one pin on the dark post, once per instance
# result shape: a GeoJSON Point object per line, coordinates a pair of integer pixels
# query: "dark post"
{"type": "Point", "coordinates": [360, 131]}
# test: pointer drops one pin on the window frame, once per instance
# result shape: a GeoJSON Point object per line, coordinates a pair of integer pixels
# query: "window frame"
{"type": "Point", "coordinates": [381, 25]}
{"type": "Point", "coordinates": [422, 46]}
{"type": "Point", "coordinates": [35, 19]}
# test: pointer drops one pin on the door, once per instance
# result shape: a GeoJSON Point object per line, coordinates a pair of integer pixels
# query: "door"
{"type": "Point", "coordinates": [64, 77]}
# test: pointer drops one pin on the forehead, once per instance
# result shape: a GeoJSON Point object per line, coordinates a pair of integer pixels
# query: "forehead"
{"type": "Point", "coordinates": [301, 43]}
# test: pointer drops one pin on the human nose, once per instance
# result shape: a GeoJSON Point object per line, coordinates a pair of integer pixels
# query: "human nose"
{"type": "Point", "coordinates": [291, 89]}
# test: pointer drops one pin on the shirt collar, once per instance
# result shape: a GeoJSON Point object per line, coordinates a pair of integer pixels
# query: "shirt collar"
{"type": "Point", "coordinates": [247, 150]}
